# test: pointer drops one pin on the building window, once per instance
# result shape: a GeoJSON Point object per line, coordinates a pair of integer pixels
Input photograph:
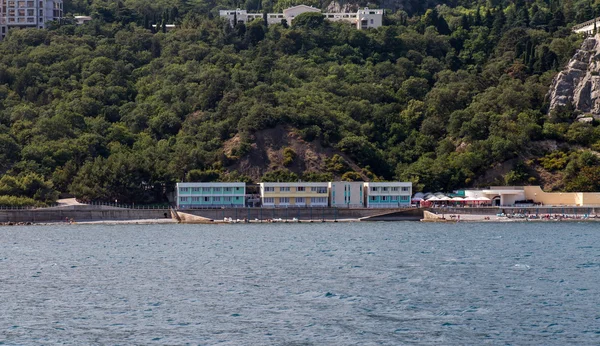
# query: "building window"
{"type": "Point", "coordinates": [184, 189]}
{"type": "Point", "coordinates": [206, 199]}
{"type": "Point", "coordinates": [318, 189]}
{"type": "Point", "coordinates": [195, 189]}
{"type": "Point", "coordinates": [227, 199]}
{"type": "Point", "coordinates": [395, 189]}
{"type": "Point", "coordinates": [300, 189]}
{"type": "Point", "coordinates": [217, 190]}
{"type": "Point", "coordinates": [394, 198]}
{"type": "Point", "coordinates": [269, 189]}
{"type": "Point", "coordinates": [318, 200]}
{"type": "Point", "coordinates": [371, 21]}
{"type": "Point", "coordinates": [206, 189]}
{"type": "Point", "coordinates": [405, 188]}
{"type": "Point", "coordinates": [372, 198]}
{"type": "Point", "coordinates": [284, 189]}
{"type": "Point", "coordinates": [227, 189]}
{"type": "Point", "coordinates": [374, 189]}
{"type": "Point", "coordinates": [268, 200]}
{"type": "Point", "coordinates": [284, 200]}
{"type": "Point", "coordinates": [195, 199]}
{"type": "Point", "coordinates": [404, 198]}
{"type": "Point", "coordinates": [384, 189]}
{"type": "Point", "coordinates": [216, 199]}
{"type": "Point", "coordinates": [183, 199]}
{"type": "Point", "coordinates": [300, 200]}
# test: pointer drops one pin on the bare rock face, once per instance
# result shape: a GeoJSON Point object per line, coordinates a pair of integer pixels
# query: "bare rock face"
{"type": "Point", "coordinates": [579, 83]}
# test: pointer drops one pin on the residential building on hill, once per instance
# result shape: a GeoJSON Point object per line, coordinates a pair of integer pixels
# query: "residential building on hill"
{"type": "Point", "coordinates": [362, 19]}
{"type": "Point", "coordinates": [347, 194]}
{"type": "Point", "coordinates": [210, 195]}
{"type": "Point", "coordinates": [388, 194]}
{"type": "Point", "coordinates": [21, 14]}
{"type": "Point", "coordinates": [299, 194]}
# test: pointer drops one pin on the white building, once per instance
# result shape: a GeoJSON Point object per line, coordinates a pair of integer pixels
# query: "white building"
{"type": "Point", "coordinates": [80, 20]}
{"type": "Point", "coordinates": [388, 194]}
{"type": "Point", "coordinates": [20, 14]}
{"type": "Point", "coordinates": [345, 194]}
{"type": "Point", "coordinates": [499, 195]}
{"type": "Point", "coordinates": [363, 19]}
{"type": "Point", "coordinates": [210, 195]}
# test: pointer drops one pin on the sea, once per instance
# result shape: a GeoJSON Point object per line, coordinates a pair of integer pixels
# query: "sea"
{"type": "Point", "coordinates": [397, 283]}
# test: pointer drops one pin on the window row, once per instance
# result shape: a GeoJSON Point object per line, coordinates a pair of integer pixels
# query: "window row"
{"type": "Point", "coordinates": [298, 200]}
{"type": "Point", "coordinates": [387, 189]}
{"type": "Point", "coordinates": [208, 189]}
{"type": "Point", "coordinates": [297, 189]}
{"type": "Point", "coordinates": [209, 199]}
{"type": "Point", "coordinates": [389, 198]}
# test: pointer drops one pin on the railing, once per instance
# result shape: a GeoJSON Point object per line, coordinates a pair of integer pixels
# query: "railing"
{"type": "Point", "coordinates": [14, 207]}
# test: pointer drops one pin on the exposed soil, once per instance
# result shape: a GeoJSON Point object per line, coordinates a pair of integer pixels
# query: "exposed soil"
{"type": "Point", "coordinates": [266, 153]}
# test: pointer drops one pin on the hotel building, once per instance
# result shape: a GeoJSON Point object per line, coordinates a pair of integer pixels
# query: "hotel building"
{"type": "Point", "coordinates": [294, 194]}
{"type": "Point", "coordinates": [20, 14]}
{"type": "Point", "coordinates": [362, 19]}
{"type": "Point", "coordinates": [388, 194]}
{"type": "Point", "coordinates": [346, 194]}
{"type": "Point", "coordinates": [210, 195]}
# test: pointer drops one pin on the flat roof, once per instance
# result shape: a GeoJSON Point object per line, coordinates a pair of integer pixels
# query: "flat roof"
{"type": "Point", "coordinates": [296, 184]}
{"type": "Point", "coordinates": [200, 184]}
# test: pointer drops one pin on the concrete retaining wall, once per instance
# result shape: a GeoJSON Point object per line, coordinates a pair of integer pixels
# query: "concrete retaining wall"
{"type": "Point", "coordinates": [57, 215]}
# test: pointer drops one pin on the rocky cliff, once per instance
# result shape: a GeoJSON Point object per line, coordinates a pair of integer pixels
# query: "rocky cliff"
{"type": "Point", "coordinates": [579, 84]}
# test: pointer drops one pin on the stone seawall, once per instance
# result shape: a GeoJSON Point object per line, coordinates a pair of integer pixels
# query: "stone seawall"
{"type": "Point", "coordinates": [92, 213]}
{"type": "Point", "coordinates": [314, 214]}
{"type": "Point", "coordinates": [58, 215]}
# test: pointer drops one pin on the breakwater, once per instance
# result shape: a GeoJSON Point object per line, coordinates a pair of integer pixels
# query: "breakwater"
{"type": "Point", "coordinates": [99, 213]}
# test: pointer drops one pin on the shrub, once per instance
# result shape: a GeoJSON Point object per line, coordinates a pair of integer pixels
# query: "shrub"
{"type": "Point", "coordinates": [289, 155]}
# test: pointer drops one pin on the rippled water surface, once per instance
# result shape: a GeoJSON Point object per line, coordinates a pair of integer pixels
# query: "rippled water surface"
{"type": "Point", "coordinates": [301, 284]}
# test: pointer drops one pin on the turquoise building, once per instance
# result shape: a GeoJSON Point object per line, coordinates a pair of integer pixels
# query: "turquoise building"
{"type": "Point", "coordinates": [210, 195]}
{"type": "Point", "coordinates": [388, 194]}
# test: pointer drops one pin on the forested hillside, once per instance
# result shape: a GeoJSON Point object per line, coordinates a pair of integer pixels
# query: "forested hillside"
{"type": "Point", "coordinates": [449, 96]}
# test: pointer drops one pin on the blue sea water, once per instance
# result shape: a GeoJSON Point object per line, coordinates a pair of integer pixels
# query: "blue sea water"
{"type": "Point", "coordinates": [301, 284]}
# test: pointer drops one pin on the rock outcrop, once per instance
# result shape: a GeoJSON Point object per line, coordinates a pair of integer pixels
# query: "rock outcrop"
{"type": "Point", "coordinates": [579, 84]}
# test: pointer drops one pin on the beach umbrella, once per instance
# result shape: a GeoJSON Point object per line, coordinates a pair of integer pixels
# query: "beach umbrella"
{"type": "Point", "coordinates": [433, 199]}
{"type": "Point", "coordinates": [458, 199]}
{"type": "Point", "coordinates": [445, 198]}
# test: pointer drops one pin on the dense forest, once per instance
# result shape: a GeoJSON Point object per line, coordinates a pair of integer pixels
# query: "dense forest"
{"type": "Point", "coordinates": [447, 94]}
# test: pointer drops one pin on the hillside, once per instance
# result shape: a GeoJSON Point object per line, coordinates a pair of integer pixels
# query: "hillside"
{"type": "Point", "coordinates": [447, 97]}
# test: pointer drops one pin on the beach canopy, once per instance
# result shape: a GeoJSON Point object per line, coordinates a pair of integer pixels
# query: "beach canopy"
{"type": "Point", "coordinates": [433, 199]}
{"type": "Point", "coordinates": [445, 198]}
{"type": "Point", "coordinates": [457, 199]}
{"type": "Point", "coordinates": [483, 199]}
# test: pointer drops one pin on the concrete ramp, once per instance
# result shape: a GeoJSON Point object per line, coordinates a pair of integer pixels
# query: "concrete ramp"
{"type": "Point", "coordinates": [413, 214]}
{"type": "Point", "coordinates": [189, 218]}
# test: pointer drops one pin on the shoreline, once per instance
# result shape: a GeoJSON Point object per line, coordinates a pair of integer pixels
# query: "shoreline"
{"type": "Point", "coordinates": [463, 218]}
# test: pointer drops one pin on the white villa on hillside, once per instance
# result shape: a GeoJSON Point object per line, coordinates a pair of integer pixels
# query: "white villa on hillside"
{"type": "Point", "coordinates": [363, 19]}
{"type": "Point", "coordinates": [28, 14]}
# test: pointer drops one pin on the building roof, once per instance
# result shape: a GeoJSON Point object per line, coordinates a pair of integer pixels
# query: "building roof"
{"type": "Point", "coordinates": [304, 7]}
{"type": "Point", "coordinates": [200, 184]}
{"type": "Point", "coordinates": [301, 183]}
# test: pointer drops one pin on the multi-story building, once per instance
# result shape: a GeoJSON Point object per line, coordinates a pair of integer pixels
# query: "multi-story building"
{"type": "Point", "coordinates": [363, 19]}
{"type": "Point", "coordinates": [388, 194]}
{"type": "Point", "coordinates": [294, 194]}
{"type": "Point", "coordinates": [20, 14]}
{"type": "Point", "coordinates": [209, 195]}
{"type": "Point", "coordinates": [345, 194]}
